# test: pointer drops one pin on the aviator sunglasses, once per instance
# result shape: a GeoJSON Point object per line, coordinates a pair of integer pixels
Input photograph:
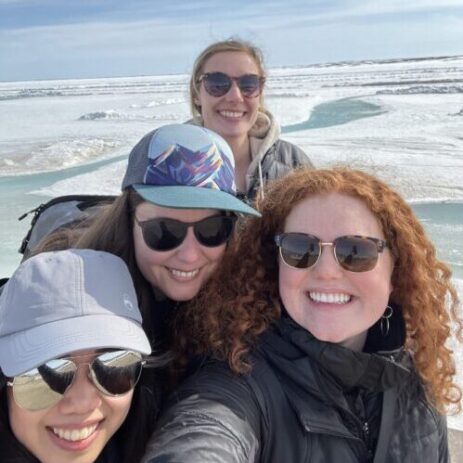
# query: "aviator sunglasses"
{"type": "Point", "coordinates": [353, 253]}
{"type": "Point", "coordinates": [113, 373]}
{"type": "Point", "coordinates": [163, 234]}
{"type": "Point", "coordinates": [219, 84]}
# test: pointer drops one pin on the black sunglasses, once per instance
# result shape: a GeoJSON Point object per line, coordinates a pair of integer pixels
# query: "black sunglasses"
{"type": "Point", "coordinates": [219, 84]}
{"type": "Point", "coordinates": [163, 234]}
{"type": "Point", "coordinates": [113, 373]}
{"type": "Point", "coordinates": [353, 253]}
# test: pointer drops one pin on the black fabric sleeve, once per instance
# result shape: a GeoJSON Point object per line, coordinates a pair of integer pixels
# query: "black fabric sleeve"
{"type": "Point", "coordinates": [212, 417]}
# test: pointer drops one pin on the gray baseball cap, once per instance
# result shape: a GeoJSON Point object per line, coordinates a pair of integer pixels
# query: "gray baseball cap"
{"type": "Point", "coordinates": [61, 302]}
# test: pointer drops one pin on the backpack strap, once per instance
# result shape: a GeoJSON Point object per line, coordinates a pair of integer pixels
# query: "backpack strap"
{"type": "Point", "coordinates": [276, 424]}
{"type": "Point", "coordinates": [59, 212]}
{"type": "Point", "coordinates": [2, 286]}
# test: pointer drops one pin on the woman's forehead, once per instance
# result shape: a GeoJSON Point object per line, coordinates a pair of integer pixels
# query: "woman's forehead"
{"type": "Point", "coordinates": [331, 215]}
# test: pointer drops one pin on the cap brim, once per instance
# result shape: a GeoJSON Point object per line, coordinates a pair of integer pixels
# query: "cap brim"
{"type": "Point", "coordinates": [189, 197]}
{"type": "Point", "coordinates": [20, 352]}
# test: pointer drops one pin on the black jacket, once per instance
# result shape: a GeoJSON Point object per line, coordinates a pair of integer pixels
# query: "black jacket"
{"type": "Point", "coordinates": [304, 401]}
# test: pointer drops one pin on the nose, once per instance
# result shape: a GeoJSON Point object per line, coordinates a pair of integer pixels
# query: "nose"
{"type": "Point", "coordinates": [234, 94]}
{"type": "Point", "coordinates": [327, 267]}
{"type": "Point", "coordinates": [190, 250]}
{"type": "Point", "coordinates": [82, 397]}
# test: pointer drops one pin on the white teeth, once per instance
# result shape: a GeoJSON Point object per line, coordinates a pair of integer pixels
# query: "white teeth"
{"type": "Point", "coordinates": [75, 435]}
{"type": "Point", "coordinates": [181, 274]}
{"type": "Point", "coordinates": [330, 298]}
{"type": "Point", "coordinates": [231, 114]}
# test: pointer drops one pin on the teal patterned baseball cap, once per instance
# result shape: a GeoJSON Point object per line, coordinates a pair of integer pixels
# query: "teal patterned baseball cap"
{"type": "Point", "coordinates": [187, 167]}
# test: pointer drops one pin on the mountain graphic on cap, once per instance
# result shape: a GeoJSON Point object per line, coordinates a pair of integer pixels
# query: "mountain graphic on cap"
{"type": "Point", "coordinates": [180, 165]}
{"type": "Point", "coordinates": [184, 166]}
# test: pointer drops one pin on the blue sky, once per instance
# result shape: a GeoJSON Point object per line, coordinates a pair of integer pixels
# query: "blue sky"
{"type": "Point", "coordinates": [53, 39]}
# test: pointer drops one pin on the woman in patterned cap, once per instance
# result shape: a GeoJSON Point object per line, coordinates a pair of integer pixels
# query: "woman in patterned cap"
{"type": "Point", "coordinates": [172, 222]}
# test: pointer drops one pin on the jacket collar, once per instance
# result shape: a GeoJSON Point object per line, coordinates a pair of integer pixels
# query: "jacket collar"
{"type": "Point", "coordinates": [299, 355]}
{"type": "Point", "coordinates": [317, 376]}
{"type": "Point", "coordinates": [263, 134]}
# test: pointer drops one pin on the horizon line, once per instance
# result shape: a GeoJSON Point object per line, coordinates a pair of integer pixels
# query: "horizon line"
{"type": "Point", "coordinates": [322, 64]}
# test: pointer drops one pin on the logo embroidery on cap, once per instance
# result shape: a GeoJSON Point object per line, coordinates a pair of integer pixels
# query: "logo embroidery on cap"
{"type": "Point", "coordinates": [128, 303]}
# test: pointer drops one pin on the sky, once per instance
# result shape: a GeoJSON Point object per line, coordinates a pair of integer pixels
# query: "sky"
{"type": "Point", "coordinates": [61, 39]}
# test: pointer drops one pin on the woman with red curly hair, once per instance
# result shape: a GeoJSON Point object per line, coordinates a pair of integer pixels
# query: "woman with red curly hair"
{"type": "Point", "coordinates": [327, 332]}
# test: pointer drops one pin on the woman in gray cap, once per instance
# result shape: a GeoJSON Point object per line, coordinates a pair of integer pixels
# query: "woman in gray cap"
{"type": "Point", "coordinates": [72, 350]}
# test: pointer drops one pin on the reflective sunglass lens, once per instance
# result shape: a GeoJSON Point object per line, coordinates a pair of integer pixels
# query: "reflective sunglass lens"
{"type": "Point", "coordinates": [353, 253]}
{"type": "Point", "coordinates": [214, 231]}
{"type": "Point", "coordinates": [44, 386]}
{"type": "Point", "coordinates": [249, 85]}
{"type": "Point", "coordinates": [34, 395]}
{"type": "Point", "coordinates": [356, 254]}
{"type": "Point", "coordinates": [116, 373]}
{"type": "Point", "coordinates": [163, 234]}
{"type": "Point", "coordinates": [167, 234]}
{"type": "Point", "coordinates": [217, 83]}
{"type": "Point", "coordinates": [58, 374]}
{"type": "Point", "coordinates": [299, 250]}
{"type": "Point", "coordinates": [113, 373]}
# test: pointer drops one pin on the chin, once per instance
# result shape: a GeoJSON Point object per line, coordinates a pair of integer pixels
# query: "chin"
{"type": "Point", "coordinates": [327, 337]}
{"type": "Point", "coordinates": [182, 296]}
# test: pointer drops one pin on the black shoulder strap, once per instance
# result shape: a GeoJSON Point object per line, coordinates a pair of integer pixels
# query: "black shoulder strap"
{"type": "Point", "coordinates": [2, 285]}
{"type": "Point", "coordinates": [276, 426]}
{"type": "Point", "coordinates": [387, 419]}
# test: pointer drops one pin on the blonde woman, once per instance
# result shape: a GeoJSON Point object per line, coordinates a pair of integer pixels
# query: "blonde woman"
{"type": "Point", "coordinates": [227, 96]}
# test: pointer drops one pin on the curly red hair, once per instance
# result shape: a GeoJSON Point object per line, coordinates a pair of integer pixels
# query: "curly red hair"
{"type": "Point", "coordinates": [242, 299]}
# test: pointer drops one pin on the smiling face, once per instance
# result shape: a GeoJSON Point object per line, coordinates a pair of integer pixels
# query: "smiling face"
{"type": "Point", "coordinates": [356, 300]}
{"type": "Point", "coordinates": [181, 272]}
{"type": "Point", "coordinates": [231, 115]}
{"type": "Point", "coordinates": [77, 428]}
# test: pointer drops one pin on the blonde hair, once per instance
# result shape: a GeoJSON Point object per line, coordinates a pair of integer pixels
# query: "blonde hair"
{"type": "Point", "coordinates": [229, 45]}
{"type": "Point", "coordinates": [242, 299]}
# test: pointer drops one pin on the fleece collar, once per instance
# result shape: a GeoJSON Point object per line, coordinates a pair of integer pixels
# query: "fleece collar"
{"type": "Point", "coordinates": [262, 136]}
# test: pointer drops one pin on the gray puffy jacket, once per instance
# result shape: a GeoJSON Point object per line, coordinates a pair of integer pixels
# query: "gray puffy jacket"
{"type": "Point", "coordinates": [272, 158]}
{"type": "Point", "coordinates": [279, 160]}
